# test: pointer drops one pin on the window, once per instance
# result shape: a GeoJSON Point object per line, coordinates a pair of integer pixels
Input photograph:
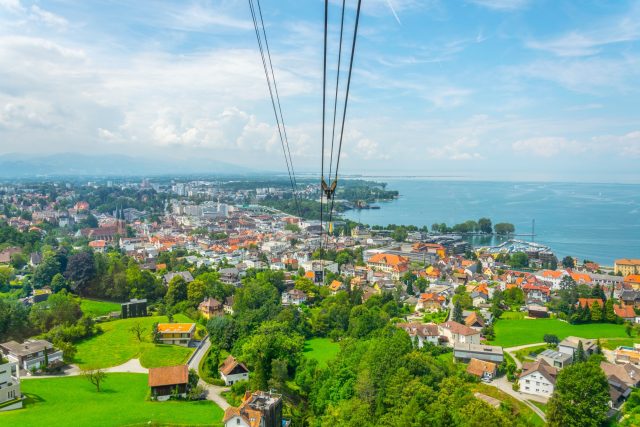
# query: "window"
{"type": "Point", "coordinates": [526, 381]}
{"type": "Point", "coordinates": [237, 420]}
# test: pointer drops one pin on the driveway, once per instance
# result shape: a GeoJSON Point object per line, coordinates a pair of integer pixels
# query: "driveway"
{"type": "Point", "coordinates": [199, 353]}
{"type": "Point", "coordinates": [214, 394]}
{"type": "Point", "coordinates": [512, 352]}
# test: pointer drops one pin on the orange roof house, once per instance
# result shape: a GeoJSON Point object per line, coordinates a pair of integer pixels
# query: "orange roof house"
{"type": "Point", "coordinates": [633, 280]}
{"type": "Point", "coordinates": [176, 333]}
{"type": "Point", "coordinates": [581, 277]}
{"type": "Point", "coordinates": [389, 263]}
{"type": "Point", "coordinates": [626, 312]}
{"type": "Point", "coordinates": [588, 302]}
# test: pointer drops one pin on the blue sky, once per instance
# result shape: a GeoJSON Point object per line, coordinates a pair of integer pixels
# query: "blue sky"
{"type": "Point", "coordinates": [484, 89]}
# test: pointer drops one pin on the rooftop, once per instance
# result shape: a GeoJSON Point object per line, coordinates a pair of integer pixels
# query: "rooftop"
{"type": "Point", "coordinates": [168, 375]}
{"type": "Point", "coordinates": [168, 328]}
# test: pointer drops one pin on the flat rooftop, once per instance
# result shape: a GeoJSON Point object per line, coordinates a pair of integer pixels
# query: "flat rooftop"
{"type": "Point", "coordinates": [176, 328]}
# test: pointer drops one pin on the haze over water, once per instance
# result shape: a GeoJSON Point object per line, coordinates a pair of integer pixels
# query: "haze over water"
{"type": "Point", "coordinates": [600, 222]}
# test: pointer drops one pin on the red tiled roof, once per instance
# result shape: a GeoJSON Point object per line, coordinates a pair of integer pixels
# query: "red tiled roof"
{"type": "Point", "coordinates": [168, 375]}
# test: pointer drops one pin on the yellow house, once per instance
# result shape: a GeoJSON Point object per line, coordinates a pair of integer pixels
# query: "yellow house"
{"type": "Point", "coordinates": [626, 266]}
{"type": "Point", "coordinates": [176, 333]}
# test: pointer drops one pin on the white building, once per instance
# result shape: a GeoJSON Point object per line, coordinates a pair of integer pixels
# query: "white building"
{"type": "Point", "coordinates": [538, 378]}
{"type": "Point", "coordinates": [422, 332]}
{"type": "Point", "coordinates": [10, 385]}
{"type": "Point", "coordinates": [30, 354]}
{"type": "Point", "coordinates": [233, 371]}
{"type": "Point", "coordinates": [457, 333]}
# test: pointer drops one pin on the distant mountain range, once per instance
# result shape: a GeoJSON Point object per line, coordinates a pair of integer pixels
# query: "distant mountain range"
{"type": "Point", "coordinates": [73, 164]}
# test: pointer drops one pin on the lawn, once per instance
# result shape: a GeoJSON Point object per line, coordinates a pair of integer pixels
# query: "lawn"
{"type": "Point", "coordinates": [511, 333]}
{"type": "Point", "coordinates": [95, 308]}
{"type": "Point", "coordinates": [321, 349]}
{"type": "Point", "coordinates": [519, 408]}
{"type": "Point", "coordinates": [523, 355]}
{"type": "Point", "coordinates": [74, 401]}
{"type": "Point", "coordinates": [117, 344]}
{"type": "Point", "coordinates": [512, 315]}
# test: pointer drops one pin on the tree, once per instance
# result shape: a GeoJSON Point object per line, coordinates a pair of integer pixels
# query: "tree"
{"type": "Point", "coordinates": [137, 330]}
{"type": "Point", "coordinates": [551, 339]}
{"type": "Point", "coordinates": [399, 234]}
{"type": "Point", "coordinates": [457, 313]}
{"type": "Point", "coordinates": [81, 269]}
{"type": "Point", "coordinates": [196, 292]}
{"type": "Point", "coordinates": [49, 267]}
{"type": "Point", "coordinates": [59, 283]}
{"type": "Point", "coordinates": [95, 377]}
{"type": "Point", "coordinates": [609, 313]}
{"type": "Point", "coordinates": [177, 291]}
{"type": "Point", "coordinates": [568, 262]}
{"type": "Point", "coordinates": [596, 312]}
{"type": "Point", "coordinates": [580, 355]}
{"type": "Point", "coordinates": [485, 225]}
{"type": "Point", "coordinates": [628, 328]}
{"type": "Point", "coordinates": [519, 260]}
{"type": "Point", "coordinates": [504, 228]}
{"type": "Point", "coordinates": [292, 227]}
{"type": "Point", "coordinates": [580, 397]}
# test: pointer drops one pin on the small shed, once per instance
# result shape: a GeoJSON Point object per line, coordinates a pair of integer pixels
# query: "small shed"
{"type": "Point", "coordinates": [168, 381]}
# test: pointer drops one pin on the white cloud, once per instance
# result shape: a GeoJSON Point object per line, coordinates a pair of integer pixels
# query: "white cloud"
{"type": "Point", "coordinates": [547, 146]}
{"type": "Point", "coordinates": [463, 148]}
{"type": "Point", "coordinates": [627, 145]}
{"type": "Point", "coordinates": [589, 42]}
{"type": "Point", "coordinates": [503, 5]}
{"type": "Point", "coordinates": [48, 18]}
{"type": "Point", "coordinates": [13, 6]}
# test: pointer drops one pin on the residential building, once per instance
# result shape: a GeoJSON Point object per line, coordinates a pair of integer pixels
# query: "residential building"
{"type": "Point", "coordinates": [31, 354]}
{"type": "Point", "coordinates": [228, 305]}
{"type": "Point", "coordinates": [627, 372]}
{"type": "Point", "coordinates": [456, 333]}
{"type": "Point", "coordinates": [10, 384]}
{"type": "Point", "coordinates": [395, 265]}
{"type": "Point", "coordinates": [232, 371]}
{"type": "Point", "coordinates": [474, 321]}
{"type": "Point", "coordinates": [630, 297]}
{"type": "Point", "coordinates": [632, 280]}
{"type": "Point", "coordinates": [569, 345]}
{"type": "Point", "coordinates": [431, 302]}
{"type": "Point", "coordinates": [168, 381]}
{"type": "Point", "coordinates": [626, 312]}
{"type": "Point", "coordinates": [482, 369]}
{"type": "Point", "coordinates": [538, 378]}
{"type": "Point", "coordinates": [176, 333]}
{"type": "Point", "coordinates": [626, 266]}
{"type": "Point", "coordinates": [258, 409]}
{"type": "Point", "coordinates": [210, 307]}
{"type": "Point", "coordinates": [294, 297]}
{"type": "Point", "coordinates": [555, 358]}
{"type": "Point", "coordinates": [184, 274]}
{"type": "Point", "coordinates": [133, 308]}
{"type": "Point", "coordinates": [628, 354]}
{"type": "Point", "coordinates": [421, 332]}
{"type": "Point", "coordinates": [489, 353]}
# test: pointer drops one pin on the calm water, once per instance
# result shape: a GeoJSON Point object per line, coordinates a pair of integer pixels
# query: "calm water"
{"type": "Point", "coordinates": [600, 222]}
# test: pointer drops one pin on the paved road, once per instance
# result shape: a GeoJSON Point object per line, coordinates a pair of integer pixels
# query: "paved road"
{"type": "Point", "coordinates": [512, 352]}
{"type": "Point", "coordinates": [198, 355]}
{"type": "Point", "coordinates": [131, 366]}
{"type": "Point", "coordinates": [503, 385]}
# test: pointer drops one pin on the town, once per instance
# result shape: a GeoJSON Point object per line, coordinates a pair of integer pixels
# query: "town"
{"type": "Point", "coordinates": [200, 302]}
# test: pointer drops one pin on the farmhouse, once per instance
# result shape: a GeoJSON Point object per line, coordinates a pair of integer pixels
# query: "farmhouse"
{"type": "Point", "coordinates": [232, 371]}
{"type": "Point", "coordinates": [176, 333]}
{"type": "Point", "coordinates": [30, 354]}
{"type": "Point", "coordinates": [168, 381]}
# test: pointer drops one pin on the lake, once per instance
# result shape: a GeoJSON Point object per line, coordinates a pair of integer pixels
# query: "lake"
{"type": "Point", "coordinates": [600, 222]}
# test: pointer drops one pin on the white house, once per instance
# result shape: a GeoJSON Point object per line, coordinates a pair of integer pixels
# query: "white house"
{"type": "Point", "coordinates": [422, 332]}
{"type": "Point", "coordinates": [294, 297]}
{"type": "Point", "coordinates": [10, 385]}
{"type": "Point", "coordinates": [31, 354]}
{"type": "Point", "coordinates": [457, 333]}
{"type": "Point", "coordinates": [232, 371]}
{"type": "Point", "coordinates": [538, 378]}
{"type": "Point", "coordinates": [569, 345]}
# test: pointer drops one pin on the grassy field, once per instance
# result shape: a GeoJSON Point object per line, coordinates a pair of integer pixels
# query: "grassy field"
{"type": "Point", "coordinates": [519, 408]}
{"type": "Point", "coordinates": [95, 308]}
{"type": "Point", "coordinates": [321, 349]}
{"type": "Point", "coordinates": [74, 401]}
{"type": "Point", "coordinates": [511, 333]}
{"type": "Point", "coordinates": [512, 315]}
{"type": "Point", "coordinates": [117, 344]}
